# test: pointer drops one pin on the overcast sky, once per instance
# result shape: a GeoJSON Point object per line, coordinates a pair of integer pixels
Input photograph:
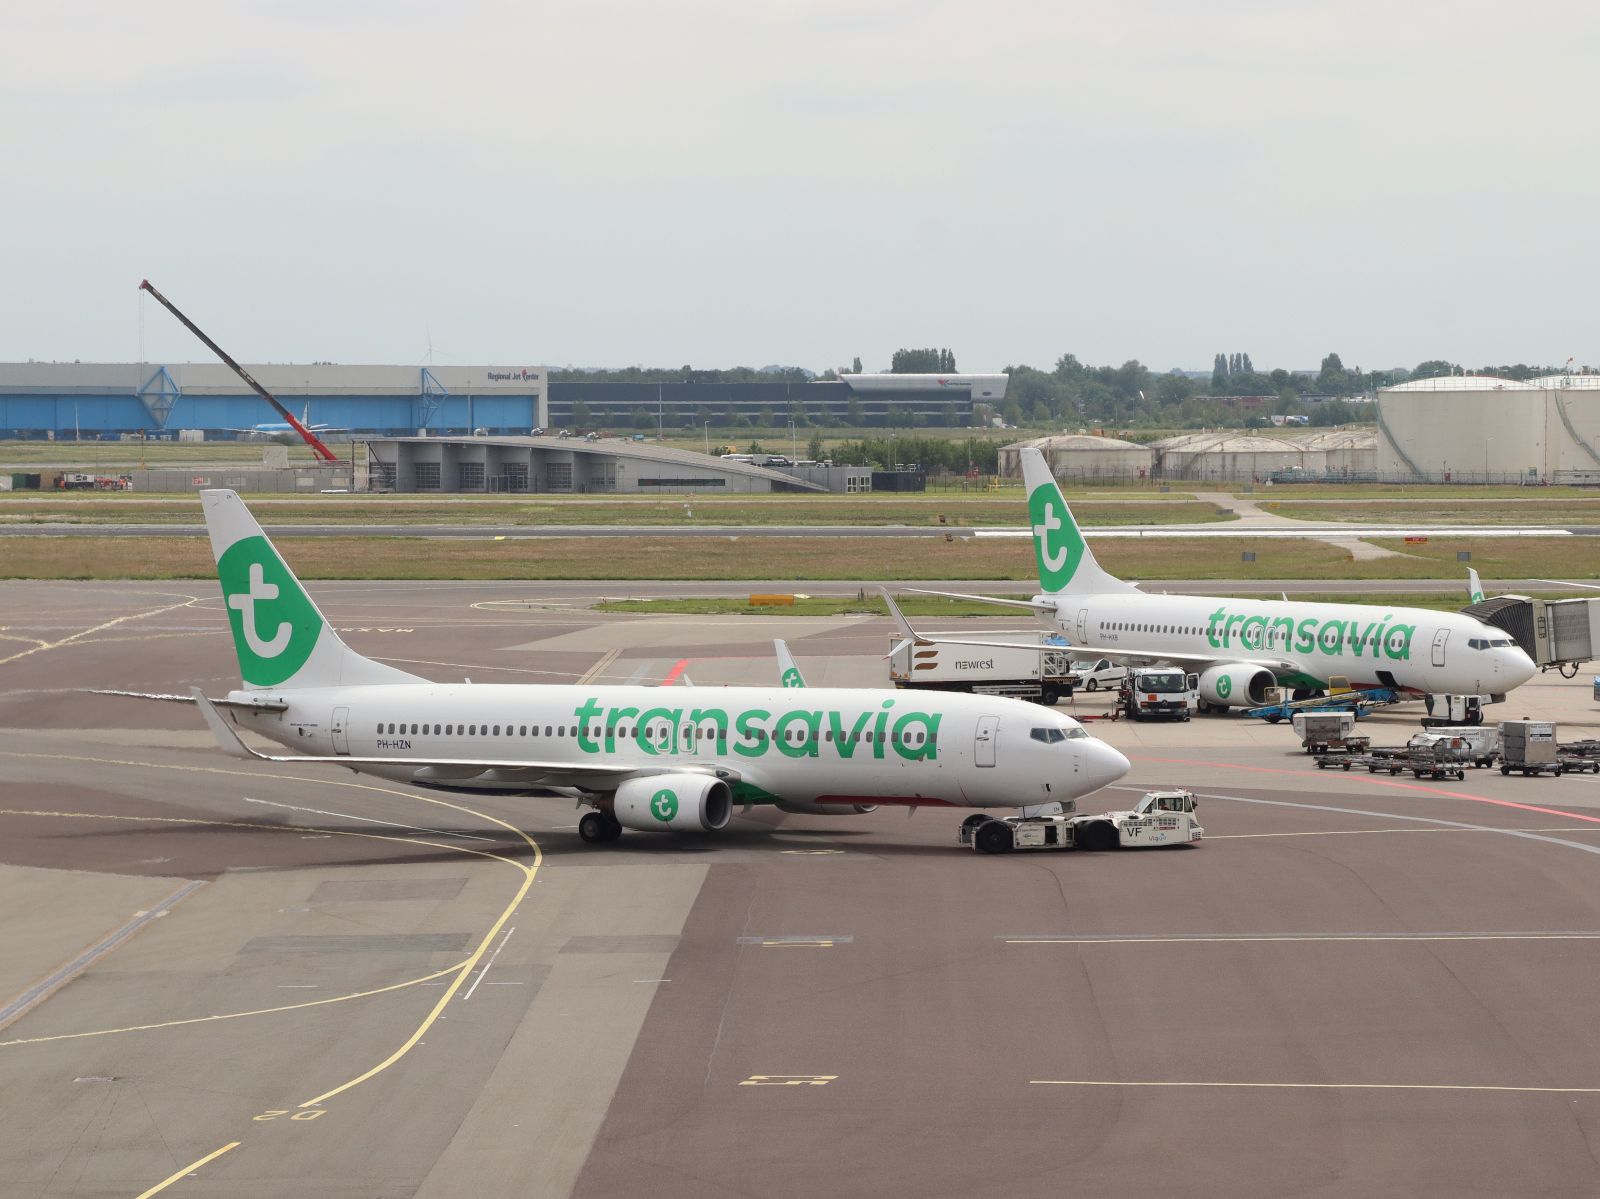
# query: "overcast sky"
{"type": "Point", "coordinates": [802, 181]}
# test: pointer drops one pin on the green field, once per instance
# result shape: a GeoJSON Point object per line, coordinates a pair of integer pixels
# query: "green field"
{"type": "Point", "coordinates": [1457, 510]}
{"type": "Point", "coordinates": [841, 558]}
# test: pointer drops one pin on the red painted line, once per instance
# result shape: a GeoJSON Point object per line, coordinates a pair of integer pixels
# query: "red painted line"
{"type": "Point", "coordinates": [1374, 781]}
{"type": "Point", "coordinates": [672, 675]}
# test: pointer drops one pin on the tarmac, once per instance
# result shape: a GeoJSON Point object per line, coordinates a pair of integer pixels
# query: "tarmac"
{"type": "Point", "coordinates": [236, 979]}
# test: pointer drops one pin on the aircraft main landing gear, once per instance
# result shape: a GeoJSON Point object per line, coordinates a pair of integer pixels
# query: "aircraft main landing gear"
{"type": "Point", "coordinates": [597, 827]}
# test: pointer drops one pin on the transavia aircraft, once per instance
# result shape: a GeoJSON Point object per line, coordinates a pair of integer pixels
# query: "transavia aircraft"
{"type": "Point", "coordinates": [1241, 647]}
{"type": "Point", "coordinates": [641, 757]}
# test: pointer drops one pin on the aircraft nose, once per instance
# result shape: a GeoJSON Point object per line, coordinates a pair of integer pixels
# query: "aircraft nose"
{"type": "Point", "coordinates": [1517, 667]}
{"type": "Point", "coordinates": [1103, 765]}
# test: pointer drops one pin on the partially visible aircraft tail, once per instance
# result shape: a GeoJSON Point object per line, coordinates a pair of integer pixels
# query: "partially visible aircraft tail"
{"type": "Point", "coordinates": [788, 673]}
{"type": "Point", "coordinates": [1065, 561]}
{"type": "Point", "coordinates": [280, 636]}
{"type": "Point", "coordinates": [1474, 587]}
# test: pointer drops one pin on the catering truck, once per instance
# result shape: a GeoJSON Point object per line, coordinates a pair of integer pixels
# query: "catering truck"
{"type": "Point", "coordinates": [1021, 672]}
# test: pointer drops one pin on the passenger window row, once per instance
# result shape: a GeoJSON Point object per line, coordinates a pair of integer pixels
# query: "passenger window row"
{"type": "Point", "coordinates": [797, 736]}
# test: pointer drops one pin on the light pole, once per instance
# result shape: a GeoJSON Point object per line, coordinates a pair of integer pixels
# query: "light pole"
{"type": "Point", "coordinates": [794, 451]}
{"type": "Point", "coordinates": [708, 438]}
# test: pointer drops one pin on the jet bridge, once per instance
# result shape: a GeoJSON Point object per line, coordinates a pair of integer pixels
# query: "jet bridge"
{"type": "Point", "coordinates": [1558, 635]}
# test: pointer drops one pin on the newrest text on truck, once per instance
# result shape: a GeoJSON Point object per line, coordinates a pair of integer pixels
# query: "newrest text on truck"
{"type": "Point", "coordinates": [1021, 673]}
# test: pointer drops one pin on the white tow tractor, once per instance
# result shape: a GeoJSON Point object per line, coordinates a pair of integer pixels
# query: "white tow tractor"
{"type": "Point", "coordinates": [1160, 818]}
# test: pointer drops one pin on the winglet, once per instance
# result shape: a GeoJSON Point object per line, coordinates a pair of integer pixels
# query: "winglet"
{"type": "Point", "coordinates": [908, 635]}
{"type": "Point", "coordinates": [1474, 588]}
{"type": "Point", "coordinates": [227, 739]}
{"type": "Point", "coordinates": [788, 672]}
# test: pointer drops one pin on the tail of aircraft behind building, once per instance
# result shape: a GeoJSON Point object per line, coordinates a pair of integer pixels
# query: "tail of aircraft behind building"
{"type": "Point", "coordinates": [1066, 563]}
{"type": "Point", "coordinates": [281, 637]}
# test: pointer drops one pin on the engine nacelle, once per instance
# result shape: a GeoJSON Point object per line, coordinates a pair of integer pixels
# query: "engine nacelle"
{"type": "Point", "coordinates": [1237, 685]}
{"type": "Point", "coordinates": [658, 803]}
{"type": "Point", "coordinates": [825, 809]}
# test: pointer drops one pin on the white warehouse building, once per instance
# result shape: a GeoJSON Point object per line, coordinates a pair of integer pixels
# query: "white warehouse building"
{"type": "Point", "coordinates": [1476, 429]}
{"type": "Point", "coordinates": [1083, 457]}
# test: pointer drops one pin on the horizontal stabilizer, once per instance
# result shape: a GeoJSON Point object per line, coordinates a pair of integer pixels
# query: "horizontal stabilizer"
{"type": "Point", "coordinates": [1032, 605]}
{"type": "Point", "coordinates": [251, 705]}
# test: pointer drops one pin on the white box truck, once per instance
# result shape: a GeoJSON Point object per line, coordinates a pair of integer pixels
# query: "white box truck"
{"type": "Point", "coordinates": [1022, 672]}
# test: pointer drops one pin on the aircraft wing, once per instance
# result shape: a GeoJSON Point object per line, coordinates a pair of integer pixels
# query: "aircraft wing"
{"type": "Point", "coordinates": [593, 776]}
{"type": "Point", "coordinates": [987, 599]}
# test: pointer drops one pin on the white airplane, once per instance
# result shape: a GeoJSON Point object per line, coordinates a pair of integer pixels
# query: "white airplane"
{"type": "Point", "coordinates": [638, 757]}
{"type": "Point", "coordinates": [280, 428]}
{"type": "Point", "coordinates": [1241, 647]}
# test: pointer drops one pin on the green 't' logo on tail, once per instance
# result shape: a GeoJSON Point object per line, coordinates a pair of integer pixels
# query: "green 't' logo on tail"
{"type": "Point", "coordinates": [275, 626]}
{"type": "Point", "coordinates": [1057, 544]}
{"type": "Point", "coordinates": [791, 678]}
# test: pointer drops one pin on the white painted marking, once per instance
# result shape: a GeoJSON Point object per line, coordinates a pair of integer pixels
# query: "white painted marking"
{"type": "Point", "coordinates": [432, 832]}
{"type": "Point", "coordinates": [1309, 937]}
{"type": "Point", "coordinates": [1318, 1086]}
{"type": "Point", "coordinates": [490, 963]}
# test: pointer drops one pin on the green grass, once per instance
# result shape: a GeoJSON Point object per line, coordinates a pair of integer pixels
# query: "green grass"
{"type": "Point", "coordinates": [1440, 510]}
{"type": "Point", "coordinates": [847, 559]}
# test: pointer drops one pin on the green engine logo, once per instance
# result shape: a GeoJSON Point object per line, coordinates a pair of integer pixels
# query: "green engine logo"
{"type": "Point", "coordinates": [275, 626]}
{"type": "Point", "coordinates": [1225, 686]}
{"type": "Point", "coordinates": [664, 805]}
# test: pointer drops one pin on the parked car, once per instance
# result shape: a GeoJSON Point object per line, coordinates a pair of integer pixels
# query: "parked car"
{"type": "Point", "coordinates": [1095, 673]}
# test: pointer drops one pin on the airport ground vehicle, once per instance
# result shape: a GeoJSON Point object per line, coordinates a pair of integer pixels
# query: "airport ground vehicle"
{"type": "Point", "coordinates": [1324, 732]}
{"type": "Point", "coordinates": [1452, 709]}
{"type": "Point", "coordinates": [1339, 697]}
{"type": "Point", "coordinates": [1446, 759]}
{"type": "Point", "coordinates": [1160, 818]}
{"type": "Point", "coordinates": [1529, 747]}
{"type": "Point", "coordinates": [1482, 743]}
{"type": "Point", "coordinates": [1021, 671]}
{"type": "Point", "coordinates": [1095, 673]}
{"type": "Point", "coordinates": [1154, 693]}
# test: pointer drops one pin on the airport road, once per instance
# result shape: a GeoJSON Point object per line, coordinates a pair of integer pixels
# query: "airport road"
{"type": "Point", "coordinates": [1278, 529]}
{"type": "Point", "coordinates": [1363, 985]}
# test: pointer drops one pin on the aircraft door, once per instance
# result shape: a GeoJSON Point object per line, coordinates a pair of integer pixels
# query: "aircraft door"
{"type": "Point", "coordinates": [340, 726]}
{"type": "Point", "coordinates": [1083, 624]}
{"type": "Point", "coordinates": [983, 752]}
{"type": "Point", "coordinates": [1439, 639]}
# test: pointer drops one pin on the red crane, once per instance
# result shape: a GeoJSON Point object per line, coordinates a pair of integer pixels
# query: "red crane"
{"type": "Point", "coordinates": [311, 439]}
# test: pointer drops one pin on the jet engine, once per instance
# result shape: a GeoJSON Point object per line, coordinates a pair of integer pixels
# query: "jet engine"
{"type": "Point", "coordinates": [825, 809]}
{"type": "Point", "coordinates": [1236, 685]}
{"type": "Point", "coordinates": [679, 803]}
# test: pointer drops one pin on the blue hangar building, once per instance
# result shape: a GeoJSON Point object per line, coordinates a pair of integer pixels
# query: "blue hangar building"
{"type": "Point", "coordinates": [43, 399]}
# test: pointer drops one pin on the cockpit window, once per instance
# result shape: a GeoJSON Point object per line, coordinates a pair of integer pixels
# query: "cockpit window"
{"type": "Point", "coordinates": [1051, 736]}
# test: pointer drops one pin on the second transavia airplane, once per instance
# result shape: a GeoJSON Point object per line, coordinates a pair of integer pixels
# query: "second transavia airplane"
{"type": "Point", "coordinates": [1239, 647]}
{"type": "Point", "coordinates": [643, 758]}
